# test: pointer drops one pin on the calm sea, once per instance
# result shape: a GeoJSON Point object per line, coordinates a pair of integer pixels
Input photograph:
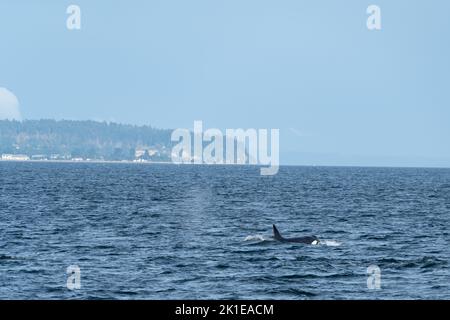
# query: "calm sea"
{"type": "Point", "coordinates": [204, 232]}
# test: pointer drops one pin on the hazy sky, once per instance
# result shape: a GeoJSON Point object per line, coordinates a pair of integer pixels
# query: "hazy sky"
{"type": "Point", "coordinates": [340, 94]}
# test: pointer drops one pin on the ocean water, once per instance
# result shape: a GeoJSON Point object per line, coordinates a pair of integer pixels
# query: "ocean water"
{"type": "Point", "coordinates": [141, 231]}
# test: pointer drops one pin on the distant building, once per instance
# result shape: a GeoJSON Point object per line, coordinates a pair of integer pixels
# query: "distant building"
{"type": "Point", "coordinates": [60, 157]}
{"type": "Point", "coordinates": [145, 153]}
{"type": "Point", "coordinates": [15, 157]}
{"type": "Point", "coordinates": [38, 157]}
{"type": "Point", "coordinates": [139, 153]}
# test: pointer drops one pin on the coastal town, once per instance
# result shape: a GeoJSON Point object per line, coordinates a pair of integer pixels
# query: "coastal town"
{"type": "Point", "coordinates": [68, 140]}
{"type": "Point", "coordinates": [143, 155]}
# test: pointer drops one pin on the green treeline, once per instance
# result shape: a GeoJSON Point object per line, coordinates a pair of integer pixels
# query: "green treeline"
{"type": "Point", "coordinates": [65, 139]}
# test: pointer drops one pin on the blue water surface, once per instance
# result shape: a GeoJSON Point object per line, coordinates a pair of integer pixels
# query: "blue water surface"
{"type": "Point", "coordinates": [149, 231]}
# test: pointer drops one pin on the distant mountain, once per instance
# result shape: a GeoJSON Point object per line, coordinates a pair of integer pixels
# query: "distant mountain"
{"type": "Point", "coordinates": [66, 139]}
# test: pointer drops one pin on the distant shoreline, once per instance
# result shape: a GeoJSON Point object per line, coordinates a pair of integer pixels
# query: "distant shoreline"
{"type": "Point", "coordinates": [216, 164]}
{"type": "Point", "coordinates": [127, 162]}
{"type": "Point", "coordinates": [91, 161]}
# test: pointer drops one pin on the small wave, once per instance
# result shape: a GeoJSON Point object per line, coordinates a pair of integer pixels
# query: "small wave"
{"type": "Point", "coordinates": [6, 257]}
{"type": "Point", "coordinates": [330, 243]}
{"type": "Point", "coordinates": [296, 292]}
{"type": "Point", "coordinates": [431, 262]}
{"type": "Point", "coordinates": [424, 263]}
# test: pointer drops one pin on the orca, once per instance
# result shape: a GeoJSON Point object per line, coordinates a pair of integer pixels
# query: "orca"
{"type": "Point", "coordinates": [307, 240]}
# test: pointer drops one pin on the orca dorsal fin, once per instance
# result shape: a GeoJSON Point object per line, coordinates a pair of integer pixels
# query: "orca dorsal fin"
{"type": "Point", "coordinates": [276, 234]}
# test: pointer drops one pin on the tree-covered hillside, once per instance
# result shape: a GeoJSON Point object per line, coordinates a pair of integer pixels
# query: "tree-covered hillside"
{"type": "Point", "coordinates": [84, 139]}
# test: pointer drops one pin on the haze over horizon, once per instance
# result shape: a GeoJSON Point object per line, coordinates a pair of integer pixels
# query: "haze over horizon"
{"type": "Point", "coordinates": [339, 93]}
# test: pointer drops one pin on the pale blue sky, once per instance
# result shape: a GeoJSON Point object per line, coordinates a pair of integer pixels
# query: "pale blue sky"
{"type": "Point", "coordinates": [340, 94]}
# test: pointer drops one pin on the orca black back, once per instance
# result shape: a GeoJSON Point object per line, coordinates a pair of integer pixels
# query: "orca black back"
{"type": "Point", "coordinates": [307, 240]}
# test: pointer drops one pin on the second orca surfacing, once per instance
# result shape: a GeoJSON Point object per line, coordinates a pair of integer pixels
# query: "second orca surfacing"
{"type": "Point", "coordinates": [306, 240]}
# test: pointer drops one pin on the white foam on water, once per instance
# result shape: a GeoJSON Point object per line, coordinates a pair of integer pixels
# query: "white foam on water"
{"type": "Point", "coordinates": [256, 237]}
{"type": "Point", "coordinates": [330, 243]}
{"type": "Point", "coordinates": [259, 237]}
